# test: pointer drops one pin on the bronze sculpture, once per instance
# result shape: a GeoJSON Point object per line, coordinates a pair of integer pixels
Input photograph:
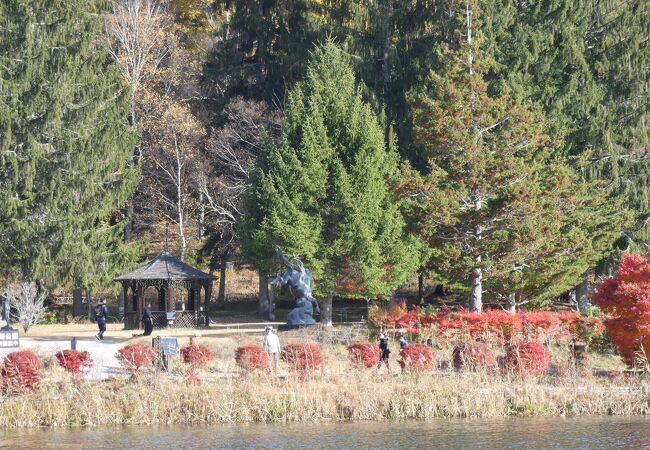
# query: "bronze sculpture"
{"type": "Point", "coordinates": [299, 279]}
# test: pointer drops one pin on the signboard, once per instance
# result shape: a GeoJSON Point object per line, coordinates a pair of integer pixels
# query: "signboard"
{"type": "Point", "coordinates": [9, 339]}
{"type": "Point", "coordinates": [170, 346]}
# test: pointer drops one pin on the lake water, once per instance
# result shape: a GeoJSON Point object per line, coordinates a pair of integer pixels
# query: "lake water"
{"type": "Point", "coordinates": [505, 433]}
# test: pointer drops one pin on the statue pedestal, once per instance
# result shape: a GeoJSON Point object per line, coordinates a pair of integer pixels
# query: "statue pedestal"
{"type": "Point", "coordinates": [9, 339]}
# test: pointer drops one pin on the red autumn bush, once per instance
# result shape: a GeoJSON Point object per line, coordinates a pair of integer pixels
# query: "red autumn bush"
{"type": "Point", "coordinates": [135, 357]}
{"type": "Point", "coordinates": [21, 372]}
{"type": "Point", "coordinates": [410, 322]}
{"type": "Point", "coordinates": [74, 361]}
{"type": "Point", "coordinates": [530, 358]}
{"type": "Point", "coordinates": [302, 358]}
{"type": "Point", "coordinates": [474, 355]}
{"type": "Point", "coordinates": [418, 357]}
{"type": "Point", "coordinates": [251, 358]}
{"type": "Point", "coordinates": [496, 326]}
{"type": "Point", "coordinates": [364, 354]}
{"type": "Point", "coordinates": [197, 356]}
{"type": "Point", "coordinates": [626, 299]}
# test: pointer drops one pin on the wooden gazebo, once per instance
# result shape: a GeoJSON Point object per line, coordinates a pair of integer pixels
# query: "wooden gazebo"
{"type": "Point", "coordinates": [171, 286]}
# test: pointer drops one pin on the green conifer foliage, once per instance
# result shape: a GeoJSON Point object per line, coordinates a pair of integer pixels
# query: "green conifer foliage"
{"type": "Point", "coordinates": [65, 146]}
{"type": "Point", "coordinates": [586, 64]}
{"type": "Point", "coordinates": [502, 213]}
{"type": "Point", "coordinates": [325, 192]}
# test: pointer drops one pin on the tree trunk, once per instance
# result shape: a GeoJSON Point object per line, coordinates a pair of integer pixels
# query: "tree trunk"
{"type": "Point", "coordinates": [263, 305]}
{"type": "Point", "coordinates": [421, 287]}
{"type": "Point", "coordinates": [326, 311]}
{"type": "Point", "coordinates": [582, 293]}
{"type": "Point", "coordinates": [201, 217]}
{"type": "Point", "coordinates": [511, 303]}
{"type": "Point", "coordinates": [271, 315]}
{"type": "Point", "coordinates": [385, 64]}
{"type": "Point", "coordinates": [128, 229]}
{"type": "Point", "coordinates": [261, 49]}
{"type": "Point", "coordinates": [221, 298]}
{"type": "Point", "coordinates": [90, 307]}
{"type": "Point", "coordinates": [476, 300]}
{"type": "Point", "coordinates": [77, 303]}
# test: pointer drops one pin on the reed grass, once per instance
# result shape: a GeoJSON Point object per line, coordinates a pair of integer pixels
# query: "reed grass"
{"type": "Point", "coordinates": [342, 393]}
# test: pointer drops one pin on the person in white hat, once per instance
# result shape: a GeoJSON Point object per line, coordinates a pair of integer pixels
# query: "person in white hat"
{"type": "Point", "coordinates": [384, 351]}
{"type": "Point", "coordinates": [272, 347]}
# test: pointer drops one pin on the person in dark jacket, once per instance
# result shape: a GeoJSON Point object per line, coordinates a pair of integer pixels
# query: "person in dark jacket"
{"type": "Point", "coordinates": [384, 351]}
{"type": "Point", "coordinates": [147, 321]}
{"type": "Point", "coordinates": [101, 314]}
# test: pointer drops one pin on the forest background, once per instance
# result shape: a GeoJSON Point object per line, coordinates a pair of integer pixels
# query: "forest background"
{"type": "Point", "coordinates": [499, 148]}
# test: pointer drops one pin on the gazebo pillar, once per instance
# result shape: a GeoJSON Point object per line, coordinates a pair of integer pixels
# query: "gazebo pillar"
{"type": "Point", "coordinates": [171, 299]}
{"type": "Point", "coordinates": [124, 299]}
{"type": "Point", "coordinates": [140, 304]}
{"type": "Point", "coordinates": [206, 303]}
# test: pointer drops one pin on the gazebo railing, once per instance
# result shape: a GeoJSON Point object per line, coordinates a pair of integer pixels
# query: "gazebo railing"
{"type": "Point", "coordinates": [182, 319]}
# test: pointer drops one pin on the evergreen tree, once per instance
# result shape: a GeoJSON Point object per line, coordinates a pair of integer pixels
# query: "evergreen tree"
{"type": "Point", "coordinates": [507, 204]}
{"type": "Point", "coordinates": [585, 63]}
{"type": "Point", "coordinates": [65, 146]}
{"type": "Point", "coordinates": [325, 192]}
{"type": "Point", "coordinates": [264, 46]}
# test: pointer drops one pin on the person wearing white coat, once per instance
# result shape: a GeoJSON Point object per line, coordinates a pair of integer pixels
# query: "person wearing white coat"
{"type": "Point", "coordinates": [272, 347]}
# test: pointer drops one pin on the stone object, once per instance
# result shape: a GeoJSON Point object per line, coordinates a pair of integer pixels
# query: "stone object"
{"type": "Point", "coordinates": [299, 278]}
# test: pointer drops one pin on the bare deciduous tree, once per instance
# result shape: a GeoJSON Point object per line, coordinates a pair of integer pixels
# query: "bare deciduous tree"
{"type": "Point", "coordinates": [138, 39]}
{"type": "Point", "coordinates": [29, 307]}
{"type": "Point", "coordinates": [224, 178]}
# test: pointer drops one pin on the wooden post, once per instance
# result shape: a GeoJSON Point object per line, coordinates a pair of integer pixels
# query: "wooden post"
{"type": "Point", "coordinates": [139, 305]}
{"type": "Point", "coordinates": [123, 299]}
{"type": "Point", "coordinates": [171, 298]}
{"type": "Point", "coordinates": [208, 294]}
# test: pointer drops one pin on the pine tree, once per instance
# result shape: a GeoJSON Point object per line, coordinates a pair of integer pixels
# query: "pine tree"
{"type": "Point", "coordinates": [65, 146]}
{"type": "Point", "coordinates": [496, 202]}
{"type": "Point", "coordinates": [325, 192]}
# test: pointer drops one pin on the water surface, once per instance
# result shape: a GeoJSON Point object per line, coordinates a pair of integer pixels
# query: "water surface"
{"type": "Point", "coordinates": [502, 433]}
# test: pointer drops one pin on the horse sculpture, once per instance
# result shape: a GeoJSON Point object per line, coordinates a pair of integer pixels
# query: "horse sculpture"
{"type": "Point", "coordinates": [299, 279]}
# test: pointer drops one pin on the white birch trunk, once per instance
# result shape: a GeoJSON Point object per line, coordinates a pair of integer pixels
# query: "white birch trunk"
{"type": "Point", "coordinates": [476, 299]}
{"type": "Point", "coordinates": [179, 199]}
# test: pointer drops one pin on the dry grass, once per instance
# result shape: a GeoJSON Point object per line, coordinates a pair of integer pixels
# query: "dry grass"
{"type": "Point", "coordinates": [338, 392]}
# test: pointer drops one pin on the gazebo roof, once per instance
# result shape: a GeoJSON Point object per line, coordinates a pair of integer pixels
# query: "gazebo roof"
{"type": "Point", "coordinates": [165, 267]}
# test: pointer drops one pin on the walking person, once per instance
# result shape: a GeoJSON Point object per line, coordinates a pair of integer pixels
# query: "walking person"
{"type": "Point", "coordinates": [147, 320]}
{"type": "Point", "coordinates": [101, 314]}
{"type": "Point", "coordinates": [272, 348]}
{"type": "Point", "coordinates": [384, 351]}
{"type": "Point", "coordinates": [403, 343]}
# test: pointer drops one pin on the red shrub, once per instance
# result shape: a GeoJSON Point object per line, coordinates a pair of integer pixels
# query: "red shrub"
{"type": "Point", "coordinates": [418, 357]}
{"type": "Point", "coordinates": [364, 354]}
{"type": "Point", "coordinates": [21, 372]}
{"type": "Point", "coordinates": [626, 299]}
{"type": "Point", "coordinates": [530, 358]}
{"type": "Point", "coordinates": [410, 322]}
{"type": "Point", "coordinates": [251, 357]}
{"type": "Point", "coordinates": [74, 361]}
{"type": "Point", "coordinates": [197, 356]}
{"type": "Point", "coordinates": [302, 358]}
{"type": "Point", "coordinates": [135, 357]}
{"type": "Point", "coordinates": [474, 355]}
